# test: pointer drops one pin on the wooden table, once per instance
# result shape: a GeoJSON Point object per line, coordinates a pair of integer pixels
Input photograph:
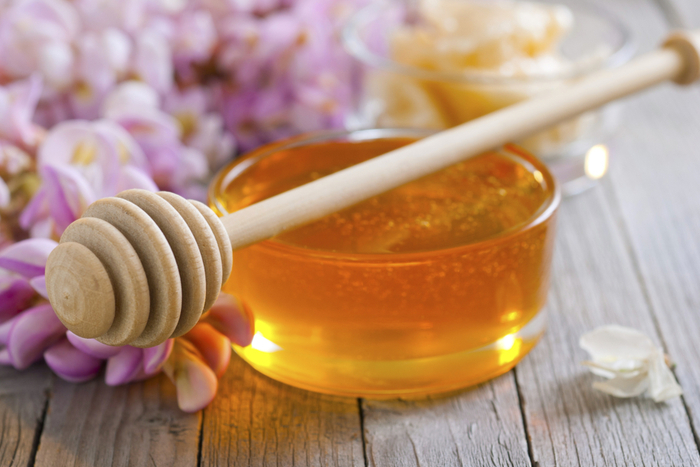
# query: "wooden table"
{"type": "Point", "coordinates": [628, 252]}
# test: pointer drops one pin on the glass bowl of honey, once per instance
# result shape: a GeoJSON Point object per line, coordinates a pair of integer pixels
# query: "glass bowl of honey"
{"type": "Point", "coordinates": [433, 286]}
{"type": "Point", "coordinates": [439, 63]}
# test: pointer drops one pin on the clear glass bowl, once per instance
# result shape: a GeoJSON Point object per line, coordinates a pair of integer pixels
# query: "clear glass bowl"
{"type": "Point", "coordinates": [375, 320]}
{"type": "Point", "coordinates": [387, 93]}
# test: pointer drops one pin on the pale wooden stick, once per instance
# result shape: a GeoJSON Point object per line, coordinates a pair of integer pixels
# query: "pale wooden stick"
{"type": "Point", "coordinates": [182, 253]}
{"type": "Point", "coordinates": [678, 61]}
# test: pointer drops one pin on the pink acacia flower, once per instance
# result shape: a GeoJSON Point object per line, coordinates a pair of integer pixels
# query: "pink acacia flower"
{"type": "Point", "coordinates": [98, 15]}
{"type": "Point", "coordinates": [17, 103]}
{"type": "Point", "coordinates": [13, 159]}
{"type": "Point", "coordinates": [194, 39]}
{"type": "Point", "coordinates": [256, 7]}
{"type": "Point", "coordinates": [196, 383]}
{"type": "Point", "coordinates": [77, 359]}
{"type": "Point", "coordinates": [174, 166]}
{"type": "Point", "coordinates": [16, 166]}
{"type": "Point", "coordinates": [231, 318]}
{"type": "Point", "coordinates": [193, 362]}
{"type": "Point", "coordinates": [202, 355]}
{"type": "Point", "coordinates": [144, 94]}
{"type": "Point", "coordinates": [28, 326]}
{"type": "Point", "coordinates": [256, 53]}
{"type": "Point", "coordinates": [80, 162]}
{"type": "Point", "coordinates": [278, 60]}
{"type": "Point", "coordinates": [30, 331]}
{"type": "Point", "coordinates": [201, 130]}
{"type": "Point", "coordinates": [167, 6]}
{"type": "Point", "coordinates": [100, 150]}
{"type": "Point", "coordinates": [103, 60]}
{"type": "Point", "coordinates": [36, 36]}
{"type": "Point", "coordinates": [19, 137]}
{"type": "Point", "coordinates": [62, 198]}
{"type": "Point", "coordinates": [290, 74]}
{"type": "Point", "coordinates": [152, 61]}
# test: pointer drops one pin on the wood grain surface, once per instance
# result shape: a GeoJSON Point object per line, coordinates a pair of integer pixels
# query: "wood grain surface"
{"type": "Point", "coordinates": [655, 187]}
{"type": "Point", "coordinates": [23, 399]}
{"type": "Point", "coordinates": [628, 252]}
{"type": "Point", "coordinates": [255, 421]}
{"type": "Point", "coordinates": [140, 424]}
{"type": "Point", "coordinates": [594, 283]}
{"type": "Point", "coordinates": [597, 281]}
{"type": "Point", "coordinates": [482, 426]}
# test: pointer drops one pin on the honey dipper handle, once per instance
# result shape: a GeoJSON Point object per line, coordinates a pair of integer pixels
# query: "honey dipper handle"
{"type": "Point", "coordinates": [677, 60]}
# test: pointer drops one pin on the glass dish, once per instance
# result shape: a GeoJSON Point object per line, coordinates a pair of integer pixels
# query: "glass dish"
{"type": "Point", "coordinates": [387, 93]}
{"type": "Point", "coordinates": [423, 289]}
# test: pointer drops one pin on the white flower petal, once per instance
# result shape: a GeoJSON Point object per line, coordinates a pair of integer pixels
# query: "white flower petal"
{"type": "Point", "coordinates": [153, 60]}
{"type": "Point", "coordinates": [56, 64]}
{"type": "Point", "coordinates": [614, 343]}
{"type": "Point", "coordinates": [129, 97]}
{"type": "Point", "coordinates": [662, 383]}
{"type": "Point", "coordinates": [117, 47]}
{"type": "Point", "coordinates": [630, 362]}
{"type": "Point", "coordinates": [608, 371]}
{"type": "Point", "coordinates": [623, 387]}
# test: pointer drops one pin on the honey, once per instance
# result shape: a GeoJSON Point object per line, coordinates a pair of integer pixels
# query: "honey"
{"type": "Point", "coordinates": [433, 286]}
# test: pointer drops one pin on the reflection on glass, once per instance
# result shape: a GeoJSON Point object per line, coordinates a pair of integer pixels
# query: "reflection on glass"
{"type": "Point", "coordinates": [509, 347]}
{"type": "Point", "coordinates": [596, 162]}
{"type": "Point", "coordinates": [263, 344]}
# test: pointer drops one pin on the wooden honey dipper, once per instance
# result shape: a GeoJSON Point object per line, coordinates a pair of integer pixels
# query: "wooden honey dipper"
{"type": "Point", "coordinates": [141, 267]}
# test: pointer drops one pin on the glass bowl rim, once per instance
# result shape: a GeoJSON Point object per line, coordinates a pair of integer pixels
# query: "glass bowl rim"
{"type": "Point", "coordinates": [357, 48]}
{"type": "Point", "coordinates": [237, 166]}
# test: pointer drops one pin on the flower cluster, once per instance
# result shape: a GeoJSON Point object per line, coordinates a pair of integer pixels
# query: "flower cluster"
{"type": "Point", "coordinates": [101, 96]}
{"type": "Point", "coordinates": [31, 331]}
{"type": "Point", "coordinates": [268, 68]}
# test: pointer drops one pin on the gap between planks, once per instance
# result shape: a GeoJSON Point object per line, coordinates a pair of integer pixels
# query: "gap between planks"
{"type": "Point", "coordinates": [256, 421]}
{"type": "Point", "coordinates": [479, 426]}
{"type": "Point", "coordinates": [617, 209]}
{"type": "Point", "coordinates": [677, 138]}
{"type": "Point", "coordinates": [39, 431]}
{"type": "Point", "coordinates": [639, 432]}
{"type": "Point", "coordinates": [140, 424]}
{"type": "Point", "coordinates": [23, 403]}
{"type": "Point", "coordinates": [664, 245]}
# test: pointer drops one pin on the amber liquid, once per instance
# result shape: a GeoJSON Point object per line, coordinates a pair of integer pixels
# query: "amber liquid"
{"type": "Point", "coordinates": [423, 289]}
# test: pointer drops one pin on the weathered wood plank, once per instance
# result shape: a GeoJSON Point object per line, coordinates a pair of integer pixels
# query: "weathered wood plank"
{"type": "Point", "coordinates": [23, 397]}
{"type": "Point", "coordinates": [596, 282]}
{"type": "Point", "coordinates": [569, 423]}
{"type": "Point", "coordinates": [255, 421]}
{"type": "Point", "coordinates": [478, 427]}
{"type": "Point", "coordinates": [656, 187]}
{"type": "Point", "coordinates": [140, 424]}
